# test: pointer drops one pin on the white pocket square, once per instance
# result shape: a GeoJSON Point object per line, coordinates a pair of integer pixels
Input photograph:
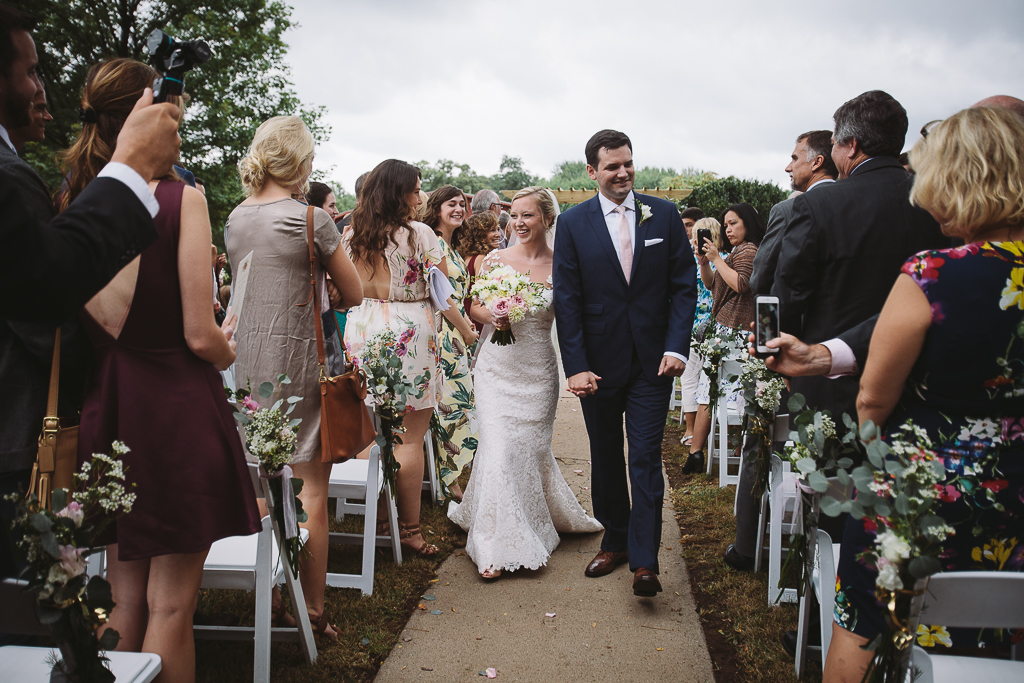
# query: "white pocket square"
{"type": "Point", "coordinates": [651, 243]}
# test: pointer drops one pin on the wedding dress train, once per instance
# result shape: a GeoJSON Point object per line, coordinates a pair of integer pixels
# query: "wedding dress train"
{"type": "Point", "coordinates": [517, 501]}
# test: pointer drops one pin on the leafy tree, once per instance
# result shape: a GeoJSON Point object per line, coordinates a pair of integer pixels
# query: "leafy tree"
{"type": "Point", "coordinates": [447, 172]}
{"type": "Point", "coordinates": [512, 176]}
{"type": "Point", "coordinates": [244, 84]}
{"type": "Point", "coordinates": [714, 195]}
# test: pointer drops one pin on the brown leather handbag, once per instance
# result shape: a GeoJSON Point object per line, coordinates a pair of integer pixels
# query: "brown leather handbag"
{"type": "Point", "coordinates": [345, 425]}
{"type": "Point", "coordinates": [57, 457]}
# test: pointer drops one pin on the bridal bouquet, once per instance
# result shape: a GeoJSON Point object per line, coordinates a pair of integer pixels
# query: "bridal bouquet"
{"type": "Point", "coordinates": [57, 546]}
{"type": "Point", "coordinates": [271, 438]}
{"type": "Point", "coordinates": [507, 292]}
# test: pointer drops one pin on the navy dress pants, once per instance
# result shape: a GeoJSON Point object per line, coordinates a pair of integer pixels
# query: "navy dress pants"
{"type": "Point", "coordinates": [636, 527]}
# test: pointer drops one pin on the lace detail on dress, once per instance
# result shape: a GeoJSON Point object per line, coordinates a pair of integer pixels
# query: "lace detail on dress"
{"type": "Point", "coordinates": [517, 501]}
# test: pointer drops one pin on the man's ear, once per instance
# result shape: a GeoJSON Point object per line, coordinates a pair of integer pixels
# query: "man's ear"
{"type": "Point", "coordinates": [818, 162]}
{"type": "Point", "coordinates": [592, 172]}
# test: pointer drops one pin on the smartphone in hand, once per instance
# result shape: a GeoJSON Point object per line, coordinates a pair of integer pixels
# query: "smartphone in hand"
{"type": "Point", "coordinates": [766, 324]}
{"type": "Point", "coordinates": [703, 234]}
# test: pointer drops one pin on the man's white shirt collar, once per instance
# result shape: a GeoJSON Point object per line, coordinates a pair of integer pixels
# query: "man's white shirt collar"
{"type": "Point", "coordinates": [823, 180]}
{"type": "Point", "coordinates": [607, 205]}
{"type": "Point", "coordinates": [860, 164]}
{"type": "Point", "coordinates": [7, 139]}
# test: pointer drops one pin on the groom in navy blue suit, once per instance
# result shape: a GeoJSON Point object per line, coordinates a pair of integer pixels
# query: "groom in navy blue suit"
{"type": "Point", "coordinates": [625, 294]}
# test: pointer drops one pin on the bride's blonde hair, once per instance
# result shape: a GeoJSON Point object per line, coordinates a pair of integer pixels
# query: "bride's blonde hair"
{"type": "Point", "coordinates": [544, 201]}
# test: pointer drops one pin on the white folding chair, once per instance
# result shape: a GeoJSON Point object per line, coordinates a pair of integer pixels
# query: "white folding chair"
{"type": "Point", "coordinates": [730, 414]}
{"type": "Point", "coordinates": [34, 664]}
{"type": "Point", "coordinates": [357, 479]}
{"type": "Point", "coordinates": [778, 513]}
{"type": "Point", "coordinates": [255, 563]}
{"type": "Point", "coordinates": [969, 600]}
{"type": "Point", "coordinates": [676, 399]}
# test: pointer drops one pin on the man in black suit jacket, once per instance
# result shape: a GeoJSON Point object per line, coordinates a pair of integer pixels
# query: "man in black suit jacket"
{"type": "Point", "coordinates": [625, 293]}
{"type": "Point", "coordinates": [846, 242]}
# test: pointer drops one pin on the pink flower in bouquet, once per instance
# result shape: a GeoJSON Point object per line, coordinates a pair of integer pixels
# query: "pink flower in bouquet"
{"type": "Point", "coordinates": [518, 301]}
{"type": "Point", "coordinates": [74, 512]}
{"type": "Point", "coordinates": [501, 307]}
{"type": "Point", "coordinates": [72, 560]}
{"type": "Point", "coordinates": [249, 404]}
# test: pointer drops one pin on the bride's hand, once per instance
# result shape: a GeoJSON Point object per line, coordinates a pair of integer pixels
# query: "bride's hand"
{"type": "Point", "coordinates": [501, 322]}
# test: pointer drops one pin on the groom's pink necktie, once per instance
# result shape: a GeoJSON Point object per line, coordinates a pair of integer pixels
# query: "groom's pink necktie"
{"type": "Point", "coordinates": [625, 246]}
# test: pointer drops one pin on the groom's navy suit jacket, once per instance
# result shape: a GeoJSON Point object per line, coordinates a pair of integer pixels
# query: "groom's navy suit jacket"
{"type": "Point", "coordinates": [601, 319]}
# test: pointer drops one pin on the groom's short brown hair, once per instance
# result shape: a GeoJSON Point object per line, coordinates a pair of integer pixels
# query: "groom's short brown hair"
{"type": "Point", "coordinates": [609, 139]}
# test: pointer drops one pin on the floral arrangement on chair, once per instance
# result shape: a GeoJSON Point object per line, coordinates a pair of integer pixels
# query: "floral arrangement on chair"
{"type": "Point", "coordinates": [382, 363]}
{"type": "Point", "coordinates": [714, 350]}
{"type": "Point", "coordinates": [762, 391]}
{"type": "Point", "coordinates": [57, 546]}
{"type": "Point", "coordinates": [271, 438]}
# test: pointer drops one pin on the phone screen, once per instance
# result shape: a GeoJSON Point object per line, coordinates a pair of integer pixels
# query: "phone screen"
{"type": "Point", "coordinates": [703, 234]}
{"type": "Point", "coordinates": [767, 323]}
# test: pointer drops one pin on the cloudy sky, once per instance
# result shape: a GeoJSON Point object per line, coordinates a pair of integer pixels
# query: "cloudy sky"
{"type": "Point", "coordinates": [720, 85]}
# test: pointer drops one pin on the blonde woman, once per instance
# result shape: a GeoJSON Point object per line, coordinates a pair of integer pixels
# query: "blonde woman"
{"type": "Point", "coordinates": [517, 501]}
{"type": "Point", "coordinates": [276, 331]}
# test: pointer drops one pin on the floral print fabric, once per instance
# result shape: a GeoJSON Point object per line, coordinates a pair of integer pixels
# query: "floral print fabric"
{"type": "Point", "coordinates": [967, 390]}
{"type": "Point", "coordinates": [407, 312]}
{"type": "Point", "coordinates": [455, 430]}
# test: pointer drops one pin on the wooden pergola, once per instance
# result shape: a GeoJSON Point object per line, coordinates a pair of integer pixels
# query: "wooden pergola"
{"type": "Point", "coordinates": [577, 196]}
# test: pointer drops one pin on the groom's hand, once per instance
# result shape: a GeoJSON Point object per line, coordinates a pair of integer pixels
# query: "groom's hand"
{"type": "Point", "coordinates": [671, 366]}
{"type": "Point", "coordinates": [583, 384]}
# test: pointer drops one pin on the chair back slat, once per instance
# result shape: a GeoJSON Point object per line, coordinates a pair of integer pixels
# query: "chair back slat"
{"type": "Point", "coordinates": [975, 600]}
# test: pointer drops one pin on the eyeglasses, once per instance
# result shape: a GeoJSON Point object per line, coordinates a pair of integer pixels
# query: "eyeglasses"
{"type": "Point", "coordinates": [927, 128]}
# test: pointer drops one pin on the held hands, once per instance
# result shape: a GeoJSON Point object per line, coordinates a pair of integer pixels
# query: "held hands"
{"type": "Point", "coordinates": [149, 140]}
{"type": "Point", "coordinates": [583, 384]}
{"type": "Point", "coordinates": [671, 367]}
{"type": "Point", "coordinates": [334, 294]}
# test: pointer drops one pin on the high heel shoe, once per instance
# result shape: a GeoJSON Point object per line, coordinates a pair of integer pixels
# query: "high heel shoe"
{"type": "Point", "coordinates": [423, 549]}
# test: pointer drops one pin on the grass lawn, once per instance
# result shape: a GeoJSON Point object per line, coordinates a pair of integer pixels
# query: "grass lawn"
{"type": "Point", "coordinates": [742, 630]}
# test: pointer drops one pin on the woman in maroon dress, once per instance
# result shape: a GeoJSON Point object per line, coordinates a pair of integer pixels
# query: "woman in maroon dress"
{"type": "Point", "coordinates": [157, 389]}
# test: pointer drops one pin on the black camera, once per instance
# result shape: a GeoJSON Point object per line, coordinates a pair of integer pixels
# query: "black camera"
{"type": "Point", "coordinates": [172, 59]}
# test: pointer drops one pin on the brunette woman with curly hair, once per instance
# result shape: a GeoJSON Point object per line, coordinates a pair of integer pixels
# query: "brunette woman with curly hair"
{"type": "Point", "coordinates": [393, 254]}
{"type": "Point", "coordinates": [456, 411]}
{"type": "Point", "coordinates": [154, 335]}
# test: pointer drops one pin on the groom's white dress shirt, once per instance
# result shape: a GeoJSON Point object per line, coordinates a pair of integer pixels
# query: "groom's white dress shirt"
{"type": "Point", "coordinates": [611, 219]}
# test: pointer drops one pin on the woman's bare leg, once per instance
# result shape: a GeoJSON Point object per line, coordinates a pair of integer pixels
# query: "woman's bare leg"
{"type": "Point", "coordinates": [172, 593]}
{"type": "Point", "coordinates": [690, 419]}
{"type": "Point", "coordinates": [846, 661]}
{"type": "Point", "coordinates": [410, 477]}
{"type": "Point", "coordinates": [701, 429]}
{"type": "Point", "coordinates": [315, 477]}
{"type": "Point", "coordinates": [128, 584]}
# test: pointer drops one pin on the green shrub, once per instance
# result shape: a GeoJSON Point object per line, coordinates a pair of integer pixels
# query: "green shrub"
{"type": "Point", "coordinates": [714, 195]}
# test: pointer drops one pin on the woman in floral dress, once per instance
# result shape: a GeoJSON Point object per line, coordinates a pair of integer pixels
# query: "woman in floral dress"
{"type": "Point", "coordinates": [393, 255]}
{"type": "Point", "coordinates": [945, 372]}
{"type": "Point", "coordinates": [456, 439]}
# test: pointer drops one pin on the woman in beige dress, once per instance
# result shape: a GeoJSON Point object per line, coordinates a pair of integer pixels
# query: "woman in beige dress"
{"type": "Point", "coordinates": [393, 255]}
{"type": "Point", "coordinates": [275, 331]}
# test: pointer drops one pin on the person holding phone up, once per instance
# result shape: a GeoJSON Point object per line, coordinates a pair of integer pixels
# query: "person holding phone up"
{"type": "Point", "coordinates": [733, 307]}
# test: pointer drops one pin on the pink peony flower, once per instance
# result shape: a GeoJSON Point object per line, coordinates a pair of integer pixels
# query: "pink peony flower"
{"type": "Point", "coordinates": [518, 300]}
{"type": "Point", "coordinates": [249, 404]}
{"type": "Point", "coordinates": [74, 512]}
{"type": "Point", "coordinates": [501, 307]}
{"type": "Point", "coordinates": [72, 560]}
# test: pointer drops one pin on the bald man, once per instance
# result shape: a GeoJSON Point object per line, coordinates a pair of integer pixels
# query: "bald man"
{"type": "Point", "coordinates": [1011, 103]}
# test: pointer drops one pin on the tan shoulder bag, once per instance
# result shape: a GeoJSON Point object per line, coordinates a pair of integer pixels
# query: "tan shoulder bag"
{"type": "Point", "coordinates": [57, 457]}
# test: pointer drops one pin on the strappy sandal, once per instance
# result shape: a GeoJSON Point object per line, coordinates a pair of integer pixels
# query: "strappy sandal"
{"type": "Point", "coordinates": [490, 574]}
{"type": "Point", "coordinates": [320, 627]}
{"type": "Point", "coordinates": [409, 531]}
{"type": "Point", "coordinates": [279, 616]}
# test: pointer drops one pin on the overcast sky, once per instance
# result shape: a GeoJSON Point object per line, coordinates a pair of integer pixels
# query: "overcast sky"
{"type": "Point", "coordinates": [718, 85]}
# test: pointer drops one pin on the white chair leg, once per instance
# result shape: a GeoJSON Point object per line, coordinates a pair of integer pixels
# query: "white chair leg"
{"type": "Point", "coordinates": [431, 483]}
{"type": "Point", "coordinates": [723, 441]}
{"type": "Point", "coordinates": [370, 523]}
{"type": "Point", "coordinates": [396, 545]}
{"type": "Point", "coordinates": [802, 631]}
{"type": "Point", "coordinates": [264, 588]}
{"type": "Point", "coordinates": [709, 455]}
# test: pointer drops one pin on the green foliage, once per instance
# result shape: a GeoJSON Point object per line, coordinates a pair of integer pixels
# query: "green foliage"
{"type": "Point", "coordinates": [714, 195]}
{"type": "Point", "coordinates": [244, 84]}
{"type": "Point", "coordinates": [510, 176]}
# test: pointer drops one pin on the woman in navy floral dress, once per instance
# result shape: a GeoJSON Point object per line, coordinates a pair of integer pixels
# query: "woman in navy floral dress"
{"type": "Point", "coordinates": [947, 356]}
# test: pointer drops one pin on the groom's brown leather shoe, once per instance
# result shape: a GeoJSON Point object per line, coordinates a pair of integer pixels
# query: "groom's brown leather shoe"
{"type": "Point", "coordinates": [646, 583]}
{"type": "Point", "coordinates": [605, 562]}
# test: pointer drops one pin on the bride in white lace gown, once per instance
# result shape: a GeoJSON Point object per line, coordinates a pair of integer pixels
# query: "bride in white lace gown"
{"type": "Point", "coordinates": [517, 501]}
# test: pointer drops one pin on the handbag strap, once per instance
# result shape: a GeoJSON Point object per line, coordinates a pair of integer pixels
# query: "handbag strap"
{"type": "Point", "coordinates": [320, 355]}
{"type": "Point", "coordinates": [51, 401]}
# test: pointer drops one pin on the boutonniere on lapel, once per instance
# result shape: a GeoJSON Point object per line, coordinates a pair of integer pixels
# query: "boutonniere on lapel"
{"type": "Point", "coordinates": [645, 211]}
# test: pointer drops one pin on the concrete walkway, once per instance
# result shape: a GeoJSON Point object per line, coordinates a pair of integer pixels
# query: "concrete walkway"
{"type": "Point", "coordinates": [600, 631]}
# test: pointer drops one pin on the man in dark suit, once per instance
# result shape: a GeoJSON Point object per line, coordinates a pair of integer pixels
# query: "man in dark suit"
{"type": "Point", "coordinates": [625, 296]}
{"type": "Point", "coordinates": [846, 242]}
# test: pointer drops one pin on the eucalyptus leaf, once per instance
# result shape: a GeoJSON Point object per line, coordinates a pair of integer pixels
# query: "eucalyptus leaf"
{"type": "Point", "coordinates": [277, 405]}
{"type": "Point", "coordinates": [845, 463]}
{"type": "Point", "coordinates": [902, 504]}
{"type": "Point", "coordinates": [295, 422]}
{"type": "Point", "coordinates": [796, 403]}
{"type": "Point", "coordinates": [284, 379]}
{"type": "Point", "coordinates": [49, 543]}
{"type": "Point", "coordinates": [296, 485]}
{"type": "Point", "coordinates": [291, 407]}
{"type": "Point", "coordinates": [830, 506]}
{"type": "Point", "coordinates": [867, 497]}
{"type": "Point", "coordinates": [868, 430]}
{"type": "Point", "coordinates": [848, 421]}
{"type": "Point", "coordinates": [882, 507]}
{"type": "Point", "coordinates": [58, 500]}
{"type": "Point", "coordinates": [293, 399]}
{"type": "Point", "coordinates": [806, 465]}
{"type": "Point", "coordinates": [818, 482]}
{"type": "Point", "coordinates": [894, 467]}
{"type": "Point", "coordinates": [856, 510]}
{"type": "Point", "coordinates": [875, 455]}
{"type": "Point", "coordinates": [265, 390]}
{"type": "Point", "coordinates": [843, 477]}
{"type": "Point", "coordinates": [924, 566]}
{"type": "Point", "coordinates": [819, 439]}
{"type": "Point", "coordinates": [862, 476]}
{"type": "Point", "coordinates": [109, 639]}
